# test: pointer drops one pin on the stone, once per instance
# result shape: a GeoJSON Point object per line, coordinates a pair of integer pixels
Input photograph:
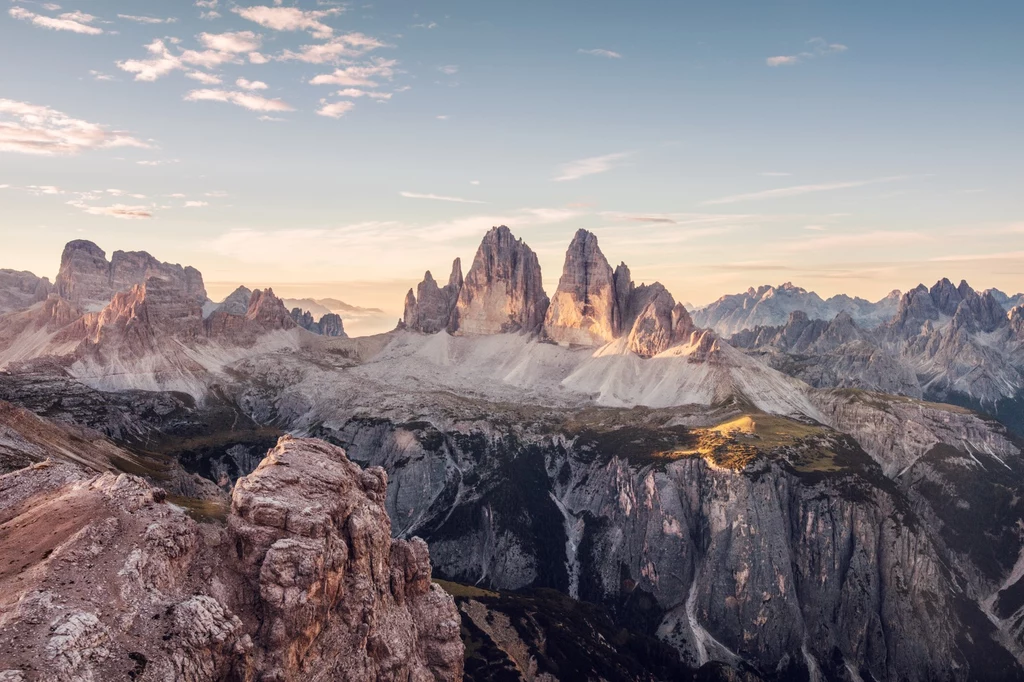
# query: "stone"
{"type": "Point", "coordinates": [503, 291]}
{"type": "Point", "coordinates": [584, 309]}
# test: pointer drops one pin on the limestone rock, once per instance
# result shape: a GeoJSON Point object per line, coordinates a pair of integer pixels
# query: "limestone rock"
{"type": "Point", "coordinates": [584, 310]}
{"type": "Point", "coordinates": [87, 279]}
{"type": "Point", "coordinates": [429, 309]}
{"type": "Point", "coordinates": [329, 324]}
{"type": "Point", "coordinates": [305, 583]}
{"type": "Point", "coordinates": [21, 290]}
{"type": "Point", "coordinates": [503, 291]}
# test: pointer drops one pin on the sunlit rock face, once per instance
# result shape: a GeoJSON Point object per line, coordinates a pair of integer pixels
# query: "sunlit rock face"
{"type": "Point", "coordinates": [87, 279]}
{"type": "Point", "coordinates": [429, 309]}
{"type": "Point", "coordinates": [502, 291]}
{"type": "Point", "coordinates": [584, 310]}
{"type": "Point", "coordinates": [302, 582]}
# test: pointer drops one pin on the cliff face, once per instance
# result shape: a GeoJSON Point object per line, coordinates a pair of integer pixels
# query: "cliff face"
{"type": "Point", "coordinates": [502, 291]}
{"type": "Point", "coordinates": [20, 290]}
{"type": "Point", "coordinates": [304, 582]}
{"type": "Point", "coordinates": [429, 310]}
{"type": "Point", "coordinates": [584, 309]}
{"type": "Point", "coordinates": [779, 545]}
{"type": "Point", "coordinates": [87, 279]}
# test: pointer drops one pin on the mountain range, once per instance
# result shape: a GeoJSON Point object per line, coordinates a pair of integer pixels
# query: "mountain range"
{"type": "Point", "coordinates": [772, 487]}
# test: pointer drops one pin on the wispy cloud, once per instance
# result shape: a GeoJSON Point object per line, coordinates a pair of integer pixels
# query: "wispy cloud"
{"type": "Point", "coordinates": [358, 74]}
{"type": "Point", "coordinates": [204, 78]}
{"type": "Point", "coordinates": [449, 69]}
{"type": "Point", "coordinates": [76, 22]}
{"type": "Point", "coordinates": [437, 197]}
{"type": "Point", "coordinates": [232, 41]}
{"type": "Point", "coordinates": [246, 100]}
{"type": "Point", "coordinates": [334, 109]}
{"type": "Point", "coordinates": [121, 211]}
{"type": "Point", "coordinates": [33, 129]}
{"type": "Point", "coordinates": [160, 63]}
{"type": "Point", "coordinates": [574, 170]}
{"type": "Point", "coordinates": [347, 46]}
{"type": "Point", "coordinates": [356, 92]}
{"type": "Point", "coordinates": [195, 204]}
{"type": "Point", "coordinates": [250, 85]}
{"type": "Point", "coordinates": [147, 20]}
{"type": "Point", "coordinates": [856, 240]}
{"type": "Point", "coordinates": [598, 52]}
{"type": "Point", "coordinates": [816, 47]}
{"type": "Point", "coordinates": [290, 19]}
{"type": "Point", "coordinates": [797, 190]}
{"type": "Point", "coordinates": [775, 174]}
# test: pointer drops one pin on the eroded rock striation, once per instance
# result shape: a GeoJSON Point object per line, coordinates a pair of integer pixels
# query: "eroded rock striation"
{"type": "Point", "coordinates": [503, 291]}
{"type": "Point", "coordinates": [429, 309]}
{"type": "Point", "coordinates": [584, 309]}
{"type": "Point", "coordinates": [304, 582]}
{"type": "Point", "coordinates": [87, 279]}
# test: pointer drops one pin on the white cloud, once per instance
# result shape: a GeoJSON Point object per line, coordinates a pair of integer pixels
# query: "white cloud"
{"type": "Point", "coordinates": [817, 47]}
{"type": "Point", "coordinates": [33, 129]}
{"type": "Point", "coordinates": [196, 204]}
{"type": "Point", "coordinates": [76, 22]}
{"type": "Point", "coordinates": [289, 19]}
{"type": "Point", "coordinates": [233, 42]}
{"type": "Point", "coordinates": [782, 192]}
{"type": "Point", "coordinates": [442, 117]}
{"type": "Point", "coordinates": [359, 74]}
{"type": "Point", "coordinates": [158, 162]}
{"type": "Point", "coordinates": [782, 60]}
{"type": "Point", "coordinates": [257, 58]}
{"type": "Point", "coordinates": [428, 25]}
{"type": "Point", "coordinates": [474, 182]}
{"type": "Point", "coordinates": [574, 170]}
{"type": "Point", "coordinates": [436, 197]}
{"type": "Point", "coordinates": [218, 193]}
{"type": "Point", "coordinates": [598, 52]}
{"type": "Point", "coordinates": [161, 63]}
{"type": "Point", "coordinates": [270, 118]}
{"type": "Point", "coordinates": [775, 174]}
{"type": "Point", "coordinates": [208, 59]}
{"type": "Point", "coordinates": [356, 92]}
{"type": "Point", "coordinates": [203, 77]}
{"type": "Point", "coordinates": [449, 69]}
{"type": "Point", "coordinates": [147, 20]}
{"type": "Point", "coordinates": [250, 85]}
{"type": "Point", "coordinates": [122, 211]}
{"type": "Point", "coordinates": [242, 99]}
{"type": "Point", "coordinates": [340, 47]}
{"type": "Point", "coordinates": [100, 76]}
{"type": "Point", "coordinates": [335, 109]}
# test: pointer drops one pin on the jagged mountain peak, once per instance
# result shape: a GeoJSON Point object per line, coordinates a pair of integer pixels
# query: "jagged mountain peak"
{"type": "Point", "coordinates": [503, 291]}
{"type": "Point", "coordinates": [584, 309]}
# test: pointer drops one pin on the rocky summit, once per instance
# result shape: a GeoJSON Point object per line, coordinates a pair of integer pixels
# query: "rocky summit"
{"type": "Point", "coordinates": [603, 486]}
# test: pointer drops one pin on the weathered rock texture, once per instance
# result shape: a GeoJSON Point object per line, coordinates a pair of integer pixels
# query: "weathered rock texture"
{"type": "Point", "coordinates": [502, 291]}
{"type": "Point", "coordinates": [21, 290]}
{"type": "Point", "coordinates": [86, 278]}
{"type": "Point", "coordinates": [429, 310]}
{"type": "Point", "coordinates": [330, 324]}
{"type": "Point", "coordinates": [584, 309]}
{"type": "Point", "coordinates": [304, 583]}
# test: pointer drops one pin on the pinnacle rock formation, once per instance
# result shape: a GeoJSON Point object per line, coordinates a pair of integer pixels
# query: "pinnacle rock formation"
{"type": "Point", "coordinates": [147, 313]}
{"type": "Point", "coordinates": [87, 279]}
{"type": "Point", "coordinates": [503, 291]}
{"type": "Point", "coordinates": [302, 584]}
{"type": "Point", "coordinates": [585, 309]}
{"type": "Point", "coordinates": [429, 309]}
{"type": "Point", "coordinates": [329, 324]}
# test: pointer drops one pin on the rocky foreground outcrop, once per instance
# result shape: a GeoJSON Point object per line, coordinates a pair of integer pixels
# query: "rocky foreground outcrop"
{"type": "Point", "coordinates": [103, 579]}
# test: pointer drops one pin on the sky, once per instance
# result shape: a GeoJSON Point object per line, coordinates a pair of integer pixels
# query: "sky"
{"type": "Point", "coordinates": [341, 149]}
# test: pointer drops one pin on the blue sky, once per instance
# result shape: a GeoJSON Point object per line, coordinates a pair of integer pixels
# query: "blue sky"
{"type": "Point", "coordinates": [341, 149]}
